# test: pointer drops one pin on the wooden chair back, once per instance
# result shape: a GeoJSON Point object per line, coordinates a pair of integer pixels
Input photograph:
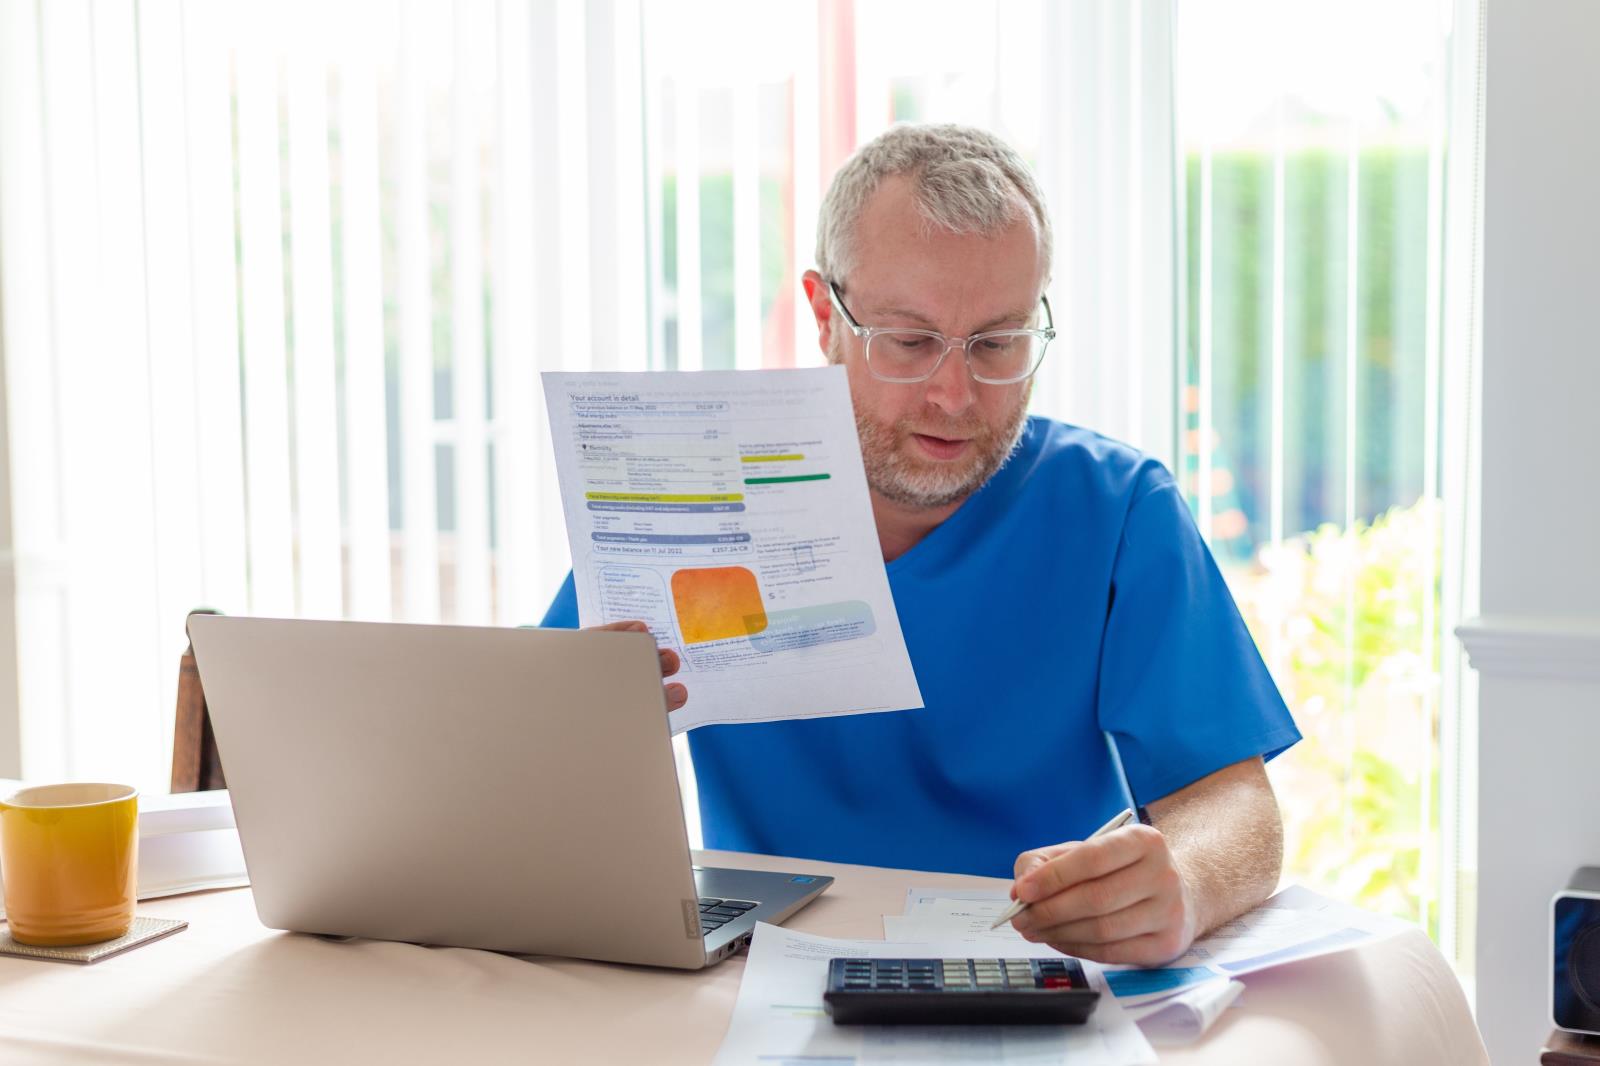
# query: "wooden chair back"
{"type": "Point", "coordinates": [196, 766]}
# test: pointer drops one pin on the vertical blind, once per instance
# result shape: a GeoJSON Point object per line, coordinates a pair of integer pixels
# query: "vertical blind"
{"type": "Point", "coordinates": [279, 281]}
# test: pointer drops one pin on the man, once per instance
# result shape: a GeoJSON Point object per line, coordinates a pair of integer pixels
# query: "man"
{"type": "Point", "coordinates": [1050, 584]}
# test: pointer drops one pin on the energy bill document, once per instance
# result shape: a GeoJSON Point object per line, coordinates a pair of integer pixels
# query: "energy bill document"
{"type": "Point", "coordinates": [728, 510]}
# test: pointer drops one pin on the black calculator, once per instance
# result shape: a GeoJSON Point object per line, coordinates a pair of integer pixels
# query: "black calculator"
{"type": "Point", "coordinates": [958, 992]}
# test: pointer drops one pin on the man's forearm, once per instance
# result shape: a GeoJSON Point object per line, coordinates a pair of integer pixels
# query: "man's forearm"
{"type": "Point", "coordinates": [1226, 838]}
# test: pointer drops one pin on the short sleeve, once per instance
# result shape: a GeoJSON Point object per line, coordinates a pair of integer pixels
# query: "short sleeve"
{"type": "Point", "coordinates": [1182, 687]}
{"type": "Point", "coordinates": [563, 612]}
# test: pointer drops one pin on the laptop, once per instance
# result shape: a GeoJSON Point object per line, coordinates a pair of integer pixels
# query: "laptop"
{"type": "Point", "coordinates": [507, 789]}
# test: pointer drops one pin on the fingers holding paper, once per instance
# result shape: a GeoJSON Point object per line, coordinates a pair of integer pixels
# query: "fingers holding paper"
{"type": "Point", "coordinates": [1119, 898]}
{"type": "Point", "coordinates": [676, 694]}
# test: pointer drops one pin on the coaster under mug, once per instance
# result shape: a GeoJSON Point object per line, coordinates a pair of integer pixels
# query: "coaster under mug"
{"type": "Point", "coordinates": [143, 931]}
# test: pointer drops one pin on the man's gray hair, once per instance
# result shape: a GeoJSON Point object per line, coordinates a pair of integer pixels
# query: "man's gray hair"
{"type": "Point", "coordinates": [966, 180]}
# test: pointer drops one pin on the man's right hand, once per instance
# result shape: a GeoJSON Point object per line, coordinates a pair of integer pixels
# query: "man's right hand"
{"type": "Point", "coordinates": [677, 695]}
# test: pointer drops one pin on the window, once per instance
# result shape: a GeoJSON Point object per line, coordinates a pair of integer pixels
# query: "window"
{"type": "Point", "coordinates": [1315, 383]}
{"type": "Point", "coordinates": [277, 290]}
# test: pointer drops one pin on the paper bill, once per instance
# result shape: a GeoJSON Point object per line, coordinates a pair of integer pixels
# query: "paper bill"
{"type": "Point", "coordinates": [729, 511]}
{"type": "Point", "coordinates": [1294, 924]}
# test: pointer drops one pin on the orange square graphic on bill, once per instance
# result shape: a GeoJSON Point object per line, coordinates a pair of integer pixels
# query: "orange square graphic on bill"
{"type": "Point", "coordinates": [717, 603]}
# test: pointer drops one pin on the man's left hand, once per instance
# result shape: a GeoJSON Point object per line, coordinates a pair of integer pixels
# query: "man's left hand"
{"type": "Point", "coordinates": [1119, 898]}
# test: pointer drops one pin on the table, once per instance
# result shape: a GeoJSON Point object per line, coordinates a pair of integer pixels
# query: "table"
{"type": "Point", "coordinates": [228, 990]}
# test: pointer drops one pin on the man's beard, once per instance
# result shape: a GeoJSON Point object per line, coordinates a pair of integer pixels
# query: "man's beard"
{"type": "Point", "coordinates": [897, 474]}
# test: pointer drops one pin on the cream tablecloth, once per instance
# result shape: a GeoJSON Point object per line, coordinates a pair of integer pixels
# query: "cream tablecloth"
{"type": "Point", "coordinates": [228, 990]}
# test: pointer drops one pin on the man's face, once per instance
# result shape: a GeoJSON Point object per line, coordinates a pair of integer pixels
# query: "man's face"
{"type": "Point", "coordinates": [931, 443]}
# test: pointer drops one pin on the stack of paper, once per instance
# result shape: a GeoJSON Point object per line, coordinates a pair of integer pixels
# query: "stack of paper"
{"type": "Point", "coordinates": [1181, 1000]}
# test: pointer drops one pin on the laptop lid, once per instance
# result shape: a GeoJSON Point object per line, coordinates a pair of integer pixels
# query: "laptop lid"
{"type": "Point", "coordinates": [508, 789]}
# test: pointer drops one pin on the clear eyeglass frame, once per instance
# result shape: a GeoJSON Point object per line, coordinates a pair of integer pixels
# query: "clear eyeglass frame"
{"type": "Point", "coordinates": [866, 333]}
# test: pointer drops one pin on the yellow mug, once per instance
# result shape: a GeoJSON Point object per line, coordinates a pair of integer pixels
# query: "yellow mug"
{"type": "Point", "coordinates": [69, 855]}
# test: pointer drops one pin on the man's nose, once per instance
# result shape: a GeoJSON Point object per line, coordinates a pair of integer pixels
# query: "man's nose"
{"type": "Point", "coordinates": [951, 388]}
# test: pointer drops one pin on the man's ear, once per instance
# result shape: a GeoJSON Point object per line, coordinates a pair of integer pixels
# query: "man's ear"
{"type": "Point", "coordinates": [821, 308]}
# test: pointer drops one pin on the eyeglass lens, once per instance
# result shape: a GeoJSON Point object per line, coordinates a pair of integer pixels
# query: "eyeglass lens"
{"type": "Point", "coordinates": [994, 357]}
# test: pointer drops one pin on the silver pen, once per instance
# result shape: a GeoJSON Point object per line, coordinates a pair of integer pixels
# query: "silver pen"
{"type": "Point", "coordinates": [1018, 906]}
{"type": "Point", "coordinates": [1132, 812]}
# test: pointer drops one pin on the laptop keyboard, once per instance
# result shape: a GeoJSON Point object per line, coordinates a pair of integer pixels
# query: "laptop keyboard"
{"type": "Point", "coordinates": [716, 913]}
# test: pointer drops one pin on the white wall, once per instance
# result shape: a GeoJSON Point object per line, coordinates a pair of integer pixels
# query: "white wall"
{"type": "Point", "coordinates": [1537, 644]}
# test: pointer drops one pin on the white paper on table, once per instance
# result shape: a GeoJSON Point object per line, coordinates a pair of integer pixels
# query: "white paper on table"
{"type": "Point", "coordinates": [729, 511]}
{"type": "Point", "coordinates": [940, 899]}
{"type": "Point", "coordinates": [935, 914]}
{"type": "Point", "coordinates": [913, 928]}
{"type": "Point", "coordinates": [780, 1016]}
{"type": "Point", "coordinates": [1294, 924]}
{"type": "Point", "coordinates": [1185, 1017]}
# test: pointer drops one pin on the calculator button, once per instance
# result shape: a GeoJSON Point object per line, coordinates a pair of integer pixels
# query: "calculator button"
{"type": "Point", "coordinates": [1058, 982]}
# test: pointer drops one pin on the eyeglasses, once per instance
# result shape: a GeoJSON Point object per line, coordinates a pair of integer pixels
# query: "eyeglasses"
{"type": "Point", "coordinates": [998, 357]}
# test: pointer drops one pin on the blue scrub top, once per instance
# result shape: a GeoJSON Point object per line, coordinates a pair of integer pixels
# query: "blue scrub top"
{"type": "Point", "coordinates": [1071, 594]}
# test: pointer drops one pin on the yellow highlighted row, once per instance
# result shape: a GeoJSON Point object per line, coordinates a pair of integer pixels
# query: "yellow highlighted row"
{"type": "Point", "coordinates": [770, 458]}
{"type": "Point", "coordinates": [662, 497]}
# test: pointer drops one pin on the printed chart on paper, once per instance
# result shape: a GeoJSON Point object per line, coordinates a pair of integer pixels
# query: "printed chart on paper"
{"type": "Point", "coordinates": [729, 511]}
